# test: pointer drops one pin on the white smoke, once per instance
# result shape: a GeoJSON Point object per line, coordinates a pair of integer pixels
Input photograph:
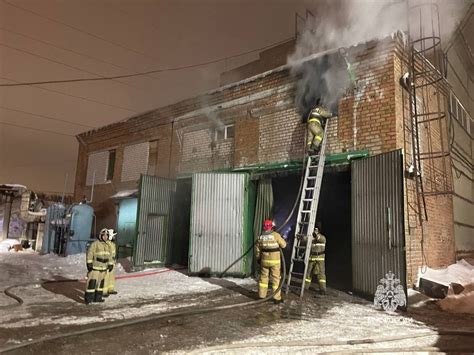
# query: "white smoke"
{"type": "Point", "coordinates": [345, 23]}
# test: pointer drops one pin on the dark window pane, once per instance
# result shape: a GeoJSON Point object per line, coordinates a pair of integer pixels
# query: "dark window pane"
{"type": "Point", "coordinates": [111, 167]}
{"type": "Point", "coordinates": [230, 131]}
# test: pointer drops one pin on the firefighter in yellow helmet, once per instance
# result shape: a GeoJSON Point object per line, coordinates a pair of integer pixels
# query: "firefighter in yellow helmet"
{"type": "Point", "coordinates": [316, 119]}
{"type": "Point", "coordinates": [98, 260]}
{"type": "Point", "coordinates": [316, 261]}
{"type": "Point", "coordinates": [268, 256]}
{"type": "Point", "coordinates": [109, 284]}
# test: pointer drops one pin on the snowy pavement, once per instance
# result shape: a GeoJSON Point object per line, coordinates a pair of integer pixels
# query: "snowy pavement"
{"type": "Point", "coordinates": [50, 309]}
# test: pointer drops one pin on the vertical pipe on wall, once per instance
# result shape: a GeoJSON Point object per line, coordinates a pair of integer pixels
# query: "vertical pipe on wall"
{"type": "Point", "coordinates": [6, 216]}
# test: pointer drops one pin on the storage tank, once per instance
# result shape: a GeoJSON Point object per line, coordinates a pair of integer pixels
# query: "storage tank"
{"type": "Point", "coordinates": [80, 227]}
{"type": "Point", "coordinates": [54, 229]}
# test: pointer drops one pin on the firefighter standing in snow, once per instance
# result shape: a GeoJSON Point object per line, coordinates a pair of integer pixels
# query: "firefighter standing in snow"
{"type": "Point", "coordinates": [315, 128]}
{"type": "Point", "coordinates": [98, 261]}
{"type": "Point", "coordinates": [316, 261]}
{"type": "Point", "coordinates": [109, 283]}
{"type": "Point", "coordinates": [268, 255]}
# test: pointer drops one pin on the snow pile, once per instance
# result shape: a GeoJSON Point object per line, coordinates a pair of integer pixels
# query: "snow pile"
{"type": "Point", "coordinates": [8, 244]}
{"type": "Point", "coordinates": [461, 273]}
{"type": "Point", "coordinates": [460, 303]}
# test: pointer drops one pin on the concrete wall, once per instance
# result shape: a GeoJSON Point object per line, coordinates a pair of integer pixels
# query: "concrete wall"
{"type": "Point", "coordinates": [460, 76]}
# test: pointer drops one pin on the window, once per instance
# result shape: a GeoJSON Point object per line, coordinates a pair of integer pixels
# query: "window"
{"type": "Point", "coordinates": [111, 165]}
{"type": "Point", "coordinates": [135, 161]}
{"type": "Point", "coordinates": [153, 157]}
{"type": "Point", "coordinates": [97, 166]}
{"type": "Point", "coordinates": [226, 133]}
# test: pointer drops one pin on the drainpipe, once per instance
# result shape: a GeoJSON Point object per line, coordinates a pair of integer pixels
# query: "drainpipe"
{"type": "Point", "coordinates": [7, 211]}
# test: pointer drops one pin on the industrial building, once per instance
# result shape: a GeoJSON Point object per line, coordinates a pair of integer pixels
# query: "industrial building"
{"type": "Point", "coordinates": [190, 183]}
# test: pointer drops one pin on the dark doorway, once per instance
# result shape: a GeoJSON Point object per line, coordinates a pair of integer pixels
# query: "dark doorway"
{"type": "Point", "coordinates": [285, 192]}
{"type": "Point", "coordinates": [334, 213]}
{"type": "Point", "coordinates": [181, 220]}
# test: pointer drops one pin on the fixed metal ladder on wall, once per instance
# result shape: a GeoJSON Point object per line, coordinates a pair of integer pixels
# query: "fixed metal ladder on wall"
{"type": "Point", "coordinates": [307, 211]}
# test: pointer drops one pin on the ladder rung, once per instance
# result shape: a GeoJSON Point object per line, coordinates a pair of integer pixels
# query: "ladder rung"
{"type": "Point", "coordinates": [311, 177]}
{"type": "Point", "coordinates": [307, 199]}
{"type": "Point", "coordinates": [305, 211]}
{"type": "Point", "coordinates": [310, 188]}
{"type": "Point", "coordinates": [299, 260]}
{"type": "Point", "coordinates": [297, 273]}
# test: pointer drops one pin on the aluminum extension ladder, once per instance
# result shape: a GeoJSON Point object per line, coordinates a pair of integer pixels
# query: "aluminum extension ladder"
{"type": "Point", "coordinates": [307, 211]}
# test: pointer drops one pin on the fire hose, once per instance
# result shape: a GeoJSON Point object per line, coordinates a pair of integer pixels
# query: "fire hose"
{"type": "Point", "coordinates": [163, 315]}
{"type": "Point", "coordinates": [141, 320]}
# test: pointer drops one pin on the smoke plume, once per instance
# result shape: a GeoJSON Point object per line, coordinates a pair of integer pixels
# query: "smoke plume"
{"type": "Point", "coordinates": [344, 23]}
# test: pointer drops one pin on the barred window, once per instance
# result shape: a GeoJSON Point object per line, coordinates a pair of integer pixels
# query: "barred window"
{"type": "Point", "coordinates": [97, 168]}
{"type": "Point", "coordinates": [135, 161]}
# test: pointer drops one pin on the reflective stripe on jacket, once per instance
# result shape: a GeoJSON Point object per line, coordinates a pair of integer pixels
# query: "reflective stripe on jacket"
{"type": "Point", "coordinates": [98, 255]}
{"type": "Point", "coordinates": [267, 248]}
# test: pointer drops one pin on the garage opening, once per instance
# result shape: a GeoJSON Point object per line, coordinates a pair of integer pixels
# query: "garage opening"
{"type": "Point", "coordinates": [334, 214]}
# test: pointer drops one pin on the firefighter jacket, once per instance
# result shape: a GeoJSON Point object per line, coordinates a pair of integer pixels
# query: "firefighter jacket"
{"type": "Point", "coordinates": [112, 249]}
{"type": "Point", "coordinates": [318, 247]}
{"type": "Point", "coordinates": [99, 256]}
{"type": "Point", "coordinates": [267, 248]}
{"type": "Point", "coordinates": [317, 114]}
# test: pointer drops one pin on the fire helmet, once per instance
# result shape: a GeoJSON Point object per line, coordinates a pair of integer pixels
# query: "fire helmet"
{"type": "Point", "coordinates": [104, 232]}
{"type": "Point", "coordinates": [268, 225]}
{"type": "Point", "coordinates": [111, 234]}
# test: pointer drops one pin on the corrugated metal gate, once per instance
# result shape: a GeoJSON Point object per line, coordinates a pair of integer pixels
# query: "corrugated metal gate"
{"type": "Point", "coordinates": [221, 223]}
{"type": "Point", "coordinates": [378, 239]}
{"type": "Point", "coordinates": [155, 201]}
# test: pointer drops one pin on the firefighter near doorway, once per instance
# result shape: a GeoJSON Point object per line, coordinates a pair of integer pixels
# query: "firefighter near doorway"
{"type": "Point", "coordinates": [268, 257]}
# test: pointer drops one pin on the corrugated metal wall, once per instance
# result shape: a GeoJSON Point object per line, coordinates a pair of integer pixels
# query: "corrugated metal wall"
{"type": "Point", "coordinates": [378, 238]}
{"type": "Point", "coordinates": [217, 223]}
{"type": "Point", "coordinates": [155, 200]}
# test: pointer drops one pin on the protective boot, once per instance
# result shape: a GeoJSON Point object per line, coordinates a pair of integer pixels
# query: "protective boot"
{"type": "Point", "coordinates": [98, 297]}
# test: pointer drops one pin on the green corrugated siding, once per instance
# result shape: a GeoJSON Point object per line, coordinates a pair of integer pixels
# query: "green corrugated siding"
{"type": "Point", "coordinates": [249, 214]}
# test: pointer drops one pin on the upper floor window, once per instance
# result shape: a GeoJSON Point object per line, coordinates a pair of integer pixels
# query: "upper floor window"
{"type": "Point", "coordinates": [135, 161]}
{"type": "Point", "coordinates": [100, 167]}
{"type": "Point", "coordinates": [226, 133]}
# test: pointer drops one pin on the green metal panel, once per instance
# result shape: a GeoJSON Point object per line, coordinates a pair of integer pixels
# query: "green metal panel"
{"type": "Point", "coordinates": [126, 226]}
{"type": "Point", "coordinates": [220, 224]}
{"type": "Point", "coordinates": [260, 170]}
{"type": "Point", "coordinates": [249, 214]}
{"type": "Point", "coordinates": [155, 206]}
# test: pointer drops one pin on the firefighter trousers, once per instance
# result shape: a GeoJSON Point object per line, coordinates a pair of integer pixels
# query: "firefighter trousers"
{"type": "Point", "coordinates": [95, 286]}
{"type": "Point", "coordinates": [109, 281]}
{"type": "Point", "coordinates": [315, 135]}
{"type": "Point", "coordinates": [269, 272]}
{"type": "Point", "coordinates": [317, 269]}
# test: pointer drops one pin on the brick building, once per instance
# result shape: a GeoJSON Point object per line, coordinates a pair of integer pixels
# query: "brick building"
{"type": "Point", "coordinates": [253, 126]}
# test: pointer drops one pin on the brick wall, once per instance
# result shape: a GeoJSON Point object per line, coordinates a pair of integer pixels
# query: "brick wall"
{"type": "Point", "coordinates": [267, 126]}
{"type": "Point", "coordinates": [268, 129]}
{"type": "Point", "coordinates": [428, 242]}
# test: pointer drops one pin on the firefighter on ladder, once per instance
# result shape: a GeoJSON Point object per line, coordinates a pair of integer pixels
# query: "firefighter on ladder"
{"type": "Point", "coordinates": [316, 261]}
{"type": "Point", "coordinates": [315, 128]}
{"type": "Point", "coordinates": [268, 256]}
{"type": "Point", "coordinates": [98, 261]}
{"type": "Point", "coordinates": [109, 283]}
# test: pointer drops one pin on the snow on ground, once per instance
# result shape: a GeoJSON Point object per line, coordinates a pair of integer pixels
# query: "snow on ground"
{"type": "Point", "coordinates": [133, 288]}
{"type": "Point", "coordinates": [338, 316]}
